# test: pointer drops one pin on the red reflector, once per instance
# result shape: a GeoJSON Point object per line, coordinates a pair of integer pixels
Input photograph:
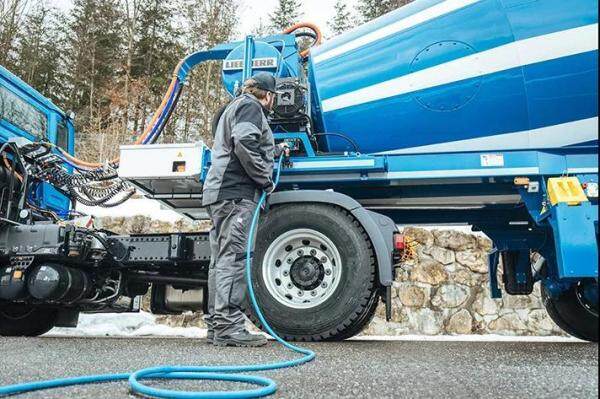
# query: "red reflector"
{"type": "Point", "coordinates": [399, 243]}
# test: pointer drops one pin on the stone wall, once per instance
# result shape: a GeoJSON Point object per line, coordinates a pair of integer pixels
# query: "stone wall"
{"type": "Point", "coordinates": [442, 290]}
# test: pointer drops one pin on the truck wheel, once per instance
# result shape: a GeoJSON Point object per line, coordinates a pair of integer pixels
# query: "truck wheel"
{"type": "Point", "coordinates": [573, 312]}
{"type": "Point", "coordinates": [314, 273]}
{"type": "Point", "coordinates": [22, 320]}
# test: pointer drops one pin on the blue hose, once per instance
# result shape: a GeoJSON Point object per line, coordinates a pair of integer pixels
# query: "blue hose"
{"type": "Point", "coordinates": [266, 386]}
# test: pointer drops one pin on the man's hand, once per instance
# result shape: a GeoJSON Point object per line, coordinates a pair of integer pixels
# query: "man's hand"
{"type": "Point", "coordinates": [283, 148]}
{"type": "Point", "coordinates": [284, 145]}
{"type": "Point", "coordinates": [270, 188]}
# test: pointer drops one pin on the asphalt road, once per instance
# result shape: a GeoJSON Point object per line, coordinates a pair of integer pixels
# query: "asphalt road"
{"type": "Point", "coordinates": [352, 369]}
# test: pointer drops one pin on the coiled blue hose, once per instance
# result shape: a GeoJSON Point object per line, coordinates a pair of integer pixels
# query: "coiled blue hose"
{"type": "Point", "coordinates": [266, 386]}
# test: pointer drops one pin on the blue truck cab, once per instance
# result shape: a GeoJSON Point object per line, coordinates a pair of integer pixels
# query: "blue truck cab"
{"type": "Point", "coordinates": [26, 113]}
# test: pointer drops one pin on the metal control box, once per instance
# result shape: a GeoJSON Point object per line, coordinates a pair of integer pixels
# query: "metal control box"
{"type": "Point", "coordinates": [161, 161]}
{"type": "Point", "coordinates": [169, 173]}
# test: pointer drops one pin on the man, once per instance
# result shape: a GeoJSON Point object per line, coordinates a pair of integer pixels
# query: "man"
{"type": "Point", "coordinates": [242, 168]}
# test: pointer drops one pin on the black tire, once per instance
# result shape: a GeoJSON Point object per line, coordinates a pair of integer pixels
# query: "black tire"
{"type": "Point", "coordinates": [571, 315]}
{"type": "Point", "coordinates": [352, 304]}
{"type": "Point", "coordinates": [25, 321]}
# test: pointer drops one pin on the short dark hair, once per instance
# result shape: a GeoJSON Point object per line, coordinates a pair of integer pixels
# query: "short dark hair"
{"type": "Point", "coordinates": [251, 87]}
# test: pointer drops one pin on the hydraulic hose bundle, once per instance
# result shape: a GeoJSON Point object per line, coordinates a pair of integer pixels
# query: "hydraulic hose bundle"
{"type": "Point", "coordinates": [214, 373]}
{"type": "Point", "coordinates": [100, 187]}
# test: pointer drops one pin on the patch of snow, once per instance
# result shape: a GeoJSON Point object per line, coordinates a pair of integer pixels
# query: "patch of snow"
{"type": "Point", "coordinates": [143, 324]}
{"type": "Point", "coordinates": [140, 324]}
{"type": "Point", "coordinates": [134, 207]}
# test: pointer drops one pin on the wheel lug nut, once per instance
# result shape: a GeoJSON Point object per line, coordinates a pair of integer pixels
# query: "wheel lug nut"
{"type": "Point", "coordinates": [286, 273]}
{"type": "Point", "coordinates": [300, 252]}
{"type": "Point", "coordinates": [313, 252]}
{"type": "Point", "coordinates": [300, 293]}
{"type": "Point", "coordinates": [313, 293]}
{"type": "Point", "coordinates": [328, 272]}
{"type": "Point", "coordinates": [324, 285]}
{"type": "Point", "coordinates": [289, 260]}
{"type": "Point", "coordinates": [290, 286]}
{"type": "Point", "coordinates": [324, 259]}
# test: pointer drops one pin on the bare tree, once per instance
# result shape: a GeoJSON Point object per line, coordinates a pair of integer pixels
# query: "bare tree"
{"type": "Point", "coordinates": [210, 22]}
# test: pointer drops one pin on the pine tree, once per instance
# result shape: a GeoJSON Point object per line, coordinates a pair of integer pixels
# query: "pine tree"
{"type": "Point", "coordinates": [95, 45]}
{"type": "Point", "coordinates": [342, 20]}
{"type": "Point", "coordinates": [371, 9]}
{"type": "Point", "coordinates": [261, 29]}
{"type": "Point", "coordinates": [95, 39]}
{"type": "Point", "coordinates": [285, 15]}
{"type": "Point", "coordinates": [41, 60]}
{"type": "Point", "coordinates": [157, 50]}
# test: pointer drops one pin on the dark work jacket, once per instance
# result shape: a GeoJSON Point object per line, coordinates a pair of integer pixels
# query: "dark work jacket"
{"type": "Point", "coordinates": [242, 154]}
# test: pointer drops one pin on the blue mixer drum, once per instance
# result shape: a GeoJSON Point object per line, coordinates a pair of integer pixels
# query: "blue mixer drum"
{"type": "Point", "coordinates": [456, 75]}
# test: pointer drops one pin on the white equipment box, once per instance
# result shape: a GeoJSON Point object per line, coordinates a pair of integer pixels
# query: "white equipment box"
{"type": "Point", "coordinates": [169, 173]}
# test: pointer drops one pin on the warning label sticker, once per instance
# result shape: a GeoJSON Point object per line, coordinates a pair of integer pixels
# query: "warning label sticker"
{"type": "Point", "coordinates": [492, 160]}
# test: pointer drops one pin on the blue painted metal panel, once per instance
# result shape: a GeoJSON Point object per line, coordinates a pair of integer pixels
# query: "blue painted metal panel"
{"type": "Point", "coordinates": [574, 233]}
{"type": "Point", "coordinates": [562, 90]}
{"type": "Point", "coordinates": [529, 18]}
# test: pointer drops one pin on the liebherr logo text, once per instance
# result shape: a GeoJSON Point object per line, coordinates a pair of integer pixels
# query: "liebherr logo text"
{"type": "Point", "coordinates": [234, 65]}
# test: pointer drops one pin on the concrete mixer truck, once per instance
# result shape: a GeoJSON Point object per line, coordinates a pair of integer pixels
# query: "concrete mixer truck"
{"type": "Point", "coordinates": [475, 112]}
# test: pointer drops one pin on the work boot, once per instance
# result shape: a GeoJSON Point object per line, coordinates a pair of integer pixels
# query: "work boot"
{"type": "Point", "coordinates": [210, 336]}
{"type": "Point", "coordinates": [242, 338]}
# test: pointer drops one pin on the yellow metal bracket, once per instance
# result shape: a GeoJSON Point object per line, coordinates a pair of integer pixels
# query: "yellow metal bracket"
{"type": "Point", "coordinates": [566, 190]}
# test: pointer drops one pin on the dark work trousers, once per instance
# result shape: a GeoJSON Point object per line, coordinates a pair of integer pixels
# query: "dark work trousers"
{"type": "Point", "coordinates": [226, 278]}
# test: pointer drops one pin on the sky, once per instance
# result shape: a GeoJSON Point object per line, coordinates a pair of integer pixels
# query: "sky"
{"type": "Point", "coordinates": [317, 11]}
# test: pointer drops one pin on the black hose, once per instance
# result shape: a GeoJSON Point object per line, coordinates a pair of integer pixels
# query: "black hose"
{"type": "Point", "coordinates": [168, 116]}
{"type": "Point", "coordinates": [342, 136]}
{"type": "Point", "coordinates": [25, 176]}
{"type": "Point", "coordinates": [311, 35]}
{"type": "Point", "coordinates": [306, 34]}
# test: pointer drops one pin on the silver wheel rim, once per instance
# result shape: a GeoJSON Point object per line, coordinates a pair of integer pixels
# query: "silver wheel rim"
{"type": "Point", "coordinates": [302, 268]}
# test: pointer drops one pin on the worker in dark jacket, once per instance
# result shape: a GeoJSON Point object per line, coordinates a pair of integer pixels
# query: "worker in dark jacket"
{"type": "Point", "coordinates": [242, 168]}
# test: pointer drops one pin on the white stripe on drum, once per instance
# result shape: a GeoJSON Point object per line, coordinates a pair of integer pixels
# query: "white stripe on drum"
{"type": "Point", "coordinates": [555, 136]}
{"type": "Point", "coordinates": [524, 52]}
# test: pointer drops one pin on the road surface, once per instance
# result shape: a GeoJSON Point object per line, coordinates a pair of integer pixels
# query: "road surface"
{"type": "Point", "coordinates": [351, 369]}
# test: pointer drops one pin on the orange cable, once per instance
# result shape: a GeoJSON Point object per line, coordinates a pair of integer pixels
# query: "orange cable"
{"type": "Point", "coordinates": [310, 26]}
